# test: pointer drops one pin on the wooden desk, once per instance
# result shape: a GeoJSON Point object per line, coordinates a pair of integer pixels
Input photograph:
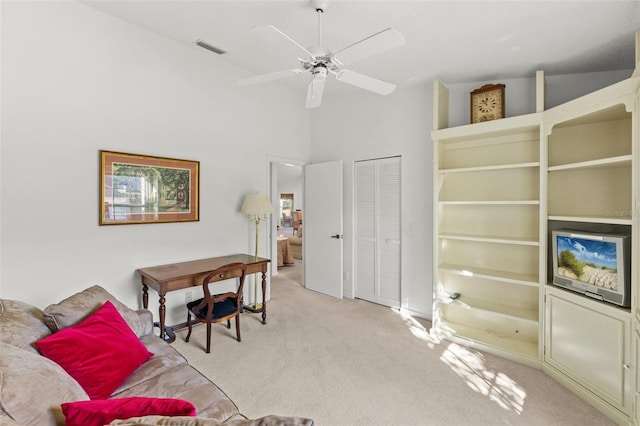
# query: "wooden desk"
{"type": "Point", "coordinates": [177, 276]}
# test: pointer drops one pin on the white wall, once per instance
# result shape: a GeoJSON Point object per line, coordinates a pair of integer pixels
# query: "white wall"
{"type": "Point", "coordinates": [363, 126]}
{"type": "Point", "coordinates": [563, 88]}
{"type": "Point", "coordinates": [75, 81]}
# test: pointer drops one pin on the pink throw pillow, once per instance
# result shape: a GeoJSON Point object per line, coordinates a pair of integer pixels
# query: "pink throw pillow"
{"type": "Point", "coordinates": [99, 353]}
{"type": "Point", "coordinates": [102, 412]}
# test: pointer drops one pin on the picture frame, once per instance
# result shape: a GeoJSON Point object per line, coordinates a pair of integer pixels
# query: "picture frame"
{"type": "Point", "coordinates": [136, 189]}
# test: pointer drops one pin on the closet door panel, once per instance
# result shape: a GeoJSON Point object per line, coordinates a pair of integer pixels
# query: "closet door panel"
{"type": "Point", "coordinates": [365, 270]}
{"type": "Point", "coordinates": [389, 231]}
{"type": "Point", "coordinates": [378, 230]}
{"type": "Point", "coordinates": [365, 195]}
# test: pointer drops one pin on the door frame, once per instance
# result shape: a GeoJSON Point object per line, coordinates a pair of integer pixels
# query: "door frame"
{"type": "Point", "coordinates": [274, 196]}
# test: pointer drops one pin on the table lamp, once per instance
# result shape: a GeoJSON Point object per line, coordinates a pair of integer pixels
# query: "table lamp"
{"type": "Point", "coordinates": [257, 207]}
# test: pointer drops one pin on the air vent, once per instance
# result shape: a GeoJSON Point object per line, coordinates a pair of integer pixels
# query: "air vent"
{"type": "Point", "coordinates": [209, 47]}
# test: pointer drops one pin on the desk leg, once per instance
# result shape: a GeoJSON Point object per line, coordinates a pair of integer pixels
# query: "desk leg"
{"type": "Point", "coordinates": [162, 310]}
{"type": "Point", "coordinates": [145, 296]}
{"type": "Point", "coordinates": [264, 296]}
{"type": "Point", "coordinates": [166, 332]}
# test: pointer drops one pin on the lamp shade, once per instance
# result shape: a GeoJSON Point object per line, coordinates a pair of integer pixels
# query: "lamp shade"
{"type": "Point", "coordinates": [256, 204]}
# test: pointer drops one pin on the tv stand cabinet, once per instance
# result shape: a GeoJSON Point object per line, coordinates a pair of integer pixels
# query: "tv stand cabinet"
{"type": "Point", "coordinates": [498, 186]}
{"type": "Point", "coordinates": [592, 180]}
{"type": "Point", "coordinates": [588, 349]}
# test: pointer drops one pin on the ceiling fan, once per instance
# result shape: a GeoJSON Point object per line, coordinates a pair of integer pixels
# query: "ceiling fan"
{"type": "Point", "coordinates": [320, 61]}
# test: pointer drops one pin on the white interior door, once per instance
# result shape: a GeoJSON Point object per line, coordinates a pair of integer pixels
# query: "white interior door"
{"type": "Point", "coordinates": [322, 228]}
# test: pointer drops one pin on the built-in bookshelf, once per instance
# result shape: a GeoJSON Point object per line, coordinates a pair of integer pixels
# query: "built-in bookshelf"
{"type": "Point", "coordinates": [488, 208]}
{"type": "Point", "coordinates": [500, 187]}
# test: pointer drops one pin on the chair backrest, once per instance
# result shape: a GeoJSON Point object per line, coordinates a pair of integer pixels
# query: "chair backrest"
{"type": "Point", "coordinates": [226, 272]}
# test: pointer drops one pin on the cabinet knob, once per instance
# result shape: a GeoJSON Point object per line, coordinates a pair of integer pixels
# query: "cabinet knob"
{"type": "Point", "coordinates": [626, 366]}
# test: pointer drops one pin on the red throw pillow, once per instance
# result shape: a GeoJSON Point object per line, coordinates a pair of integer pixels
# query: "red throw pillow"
{"type": "Point", "coordinates": [99, 353]}
{"type": "Point", "coordinates": [102, 412]}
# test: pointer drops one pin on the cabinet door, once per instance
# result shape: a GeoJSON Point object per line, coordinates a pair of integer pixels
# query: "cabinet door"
{"type": "Point", "coordinates": [590, 343]}
{"type": "Point", "coordinates": [636, 335]}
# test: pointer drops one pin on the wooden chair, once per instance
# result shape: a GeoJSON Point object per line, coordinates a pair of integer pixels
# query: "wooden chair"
{"type": "Point", "coordinates": [219, 307]}
{"type": "Point", "coordinates": [297, 221]}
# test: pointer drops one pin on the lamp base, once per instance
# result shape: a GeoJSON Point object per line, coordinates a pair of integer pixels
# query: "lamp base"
{"type": "Point", "coordinates": [254, 307]}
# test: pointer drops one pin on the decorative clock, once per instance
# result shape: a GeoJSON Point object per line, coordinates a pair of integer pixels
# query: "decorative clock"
{"type": "Point", "coordinates": [487, 103]}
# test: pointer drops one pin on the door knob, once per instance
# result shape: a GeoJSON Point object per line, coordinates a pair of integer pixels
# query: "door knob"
{"type": "Point", "coordinates": [337, 236]}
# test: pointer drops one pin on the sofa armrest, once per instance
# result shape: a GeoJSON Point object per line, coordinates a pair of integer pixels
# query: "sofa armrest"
{"type": "Point", "coordinates": [271, 420]}
{"type": "Point", "coordinates": [5, 420]}
{"type": "Point", "coordinates": [201, 421]}
{"type": "Point", "coordinates": [146, 319]}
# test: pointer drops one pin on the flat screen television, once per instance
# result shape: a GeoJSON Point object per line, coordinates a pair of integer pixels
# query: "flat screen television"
{"type": "Point", "coordinates": [597, 265]}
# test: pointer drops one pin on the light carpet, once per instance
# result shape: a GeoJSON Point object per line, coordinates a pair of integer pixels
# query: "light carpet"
{"type": "Point", "coordinates": [351, 362]}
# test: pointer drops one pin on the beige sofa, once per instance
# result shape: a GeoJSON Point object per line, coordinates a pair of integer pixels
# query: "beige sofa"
{"type": "Point", "coordinates": [295, 243]}
{"type": "Point", "coordinates": [32, 387]}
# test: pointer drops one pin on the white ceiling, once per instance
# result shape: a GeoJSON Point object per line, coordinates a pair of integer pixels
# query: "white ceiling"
{"type": "Point", "coordinates": [454, 41]}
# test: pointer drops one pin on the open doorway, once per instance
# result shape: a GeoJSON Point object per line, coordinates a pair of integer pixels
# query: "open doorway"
{"type": "Point", "coordinates": [290, 217]}
{"type": "Point", "coordinates": [286, 210]}
{"type": "Point", "coordinates": [321, 227]}
{"type": "Point", "coordinates": [287, 186]}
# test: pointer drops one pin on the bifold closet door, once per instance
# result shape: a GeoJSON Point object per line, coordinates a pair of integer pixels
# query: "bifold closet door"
{"type": "Point", "coordinates": [378, 231]}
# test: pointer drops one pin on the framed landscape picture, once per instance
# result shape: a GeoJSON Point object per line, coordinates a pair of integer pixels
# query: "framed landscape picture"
{"type": "Point", "coordinates": [146, 189]}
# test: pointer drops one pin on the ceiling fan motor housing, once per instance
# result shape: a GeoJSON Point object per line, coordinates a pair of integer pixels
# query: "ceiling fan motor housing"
{"type": "Point", "coordinates": [321, 57]}
{"type": "Point", "coordinates": [320, 5]}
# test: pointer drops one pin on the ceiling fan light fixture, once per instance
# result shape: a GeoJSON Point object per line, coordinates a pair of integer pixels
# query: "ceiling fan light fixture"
{"type": "Point", "coordinates": [316, 87]}
{"type": "Point", "coordinates": [319, 73]}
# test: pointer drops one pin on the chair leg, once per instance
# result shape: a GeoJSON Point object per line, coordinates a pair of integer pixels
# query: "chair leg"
{"type": "Point", "coordinates": [208, 336]}
{"type": "Point", "coordinates": [229, 324]}
{"type": "Point", "coordinates": [186, 339]}
{"type": "Point", "coordinates": [238, 328]}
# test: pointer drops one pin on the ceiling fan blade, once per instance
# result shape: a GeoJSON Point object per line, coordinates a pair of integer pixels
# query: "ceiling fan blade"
{"type": "Point", "coordinates": [373, 45]}
{"type": "Point", "coordinates": [269, 77]}
{"type": "Point", "coordinates": [275, 37]}
{"type": "Point", "coordinates": [365, 82]}
{"type": "Point", "coordinates": [316, 88]}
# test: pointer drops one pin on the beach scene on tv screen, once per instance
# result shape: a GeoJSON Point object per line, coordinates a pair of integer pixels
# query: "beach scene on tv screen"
{"type": "Point", "coordinates": [589, 261]}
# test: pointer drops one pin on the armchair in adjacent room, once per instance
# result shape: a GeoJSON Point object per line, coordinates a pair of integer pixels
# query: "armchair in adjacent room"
{"type": "Point", "coordinates": [295, 244]}
{"type": "Point", "coordinates": [286, 219]}
{"type": "Point", "coordinates": [297, 220]}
